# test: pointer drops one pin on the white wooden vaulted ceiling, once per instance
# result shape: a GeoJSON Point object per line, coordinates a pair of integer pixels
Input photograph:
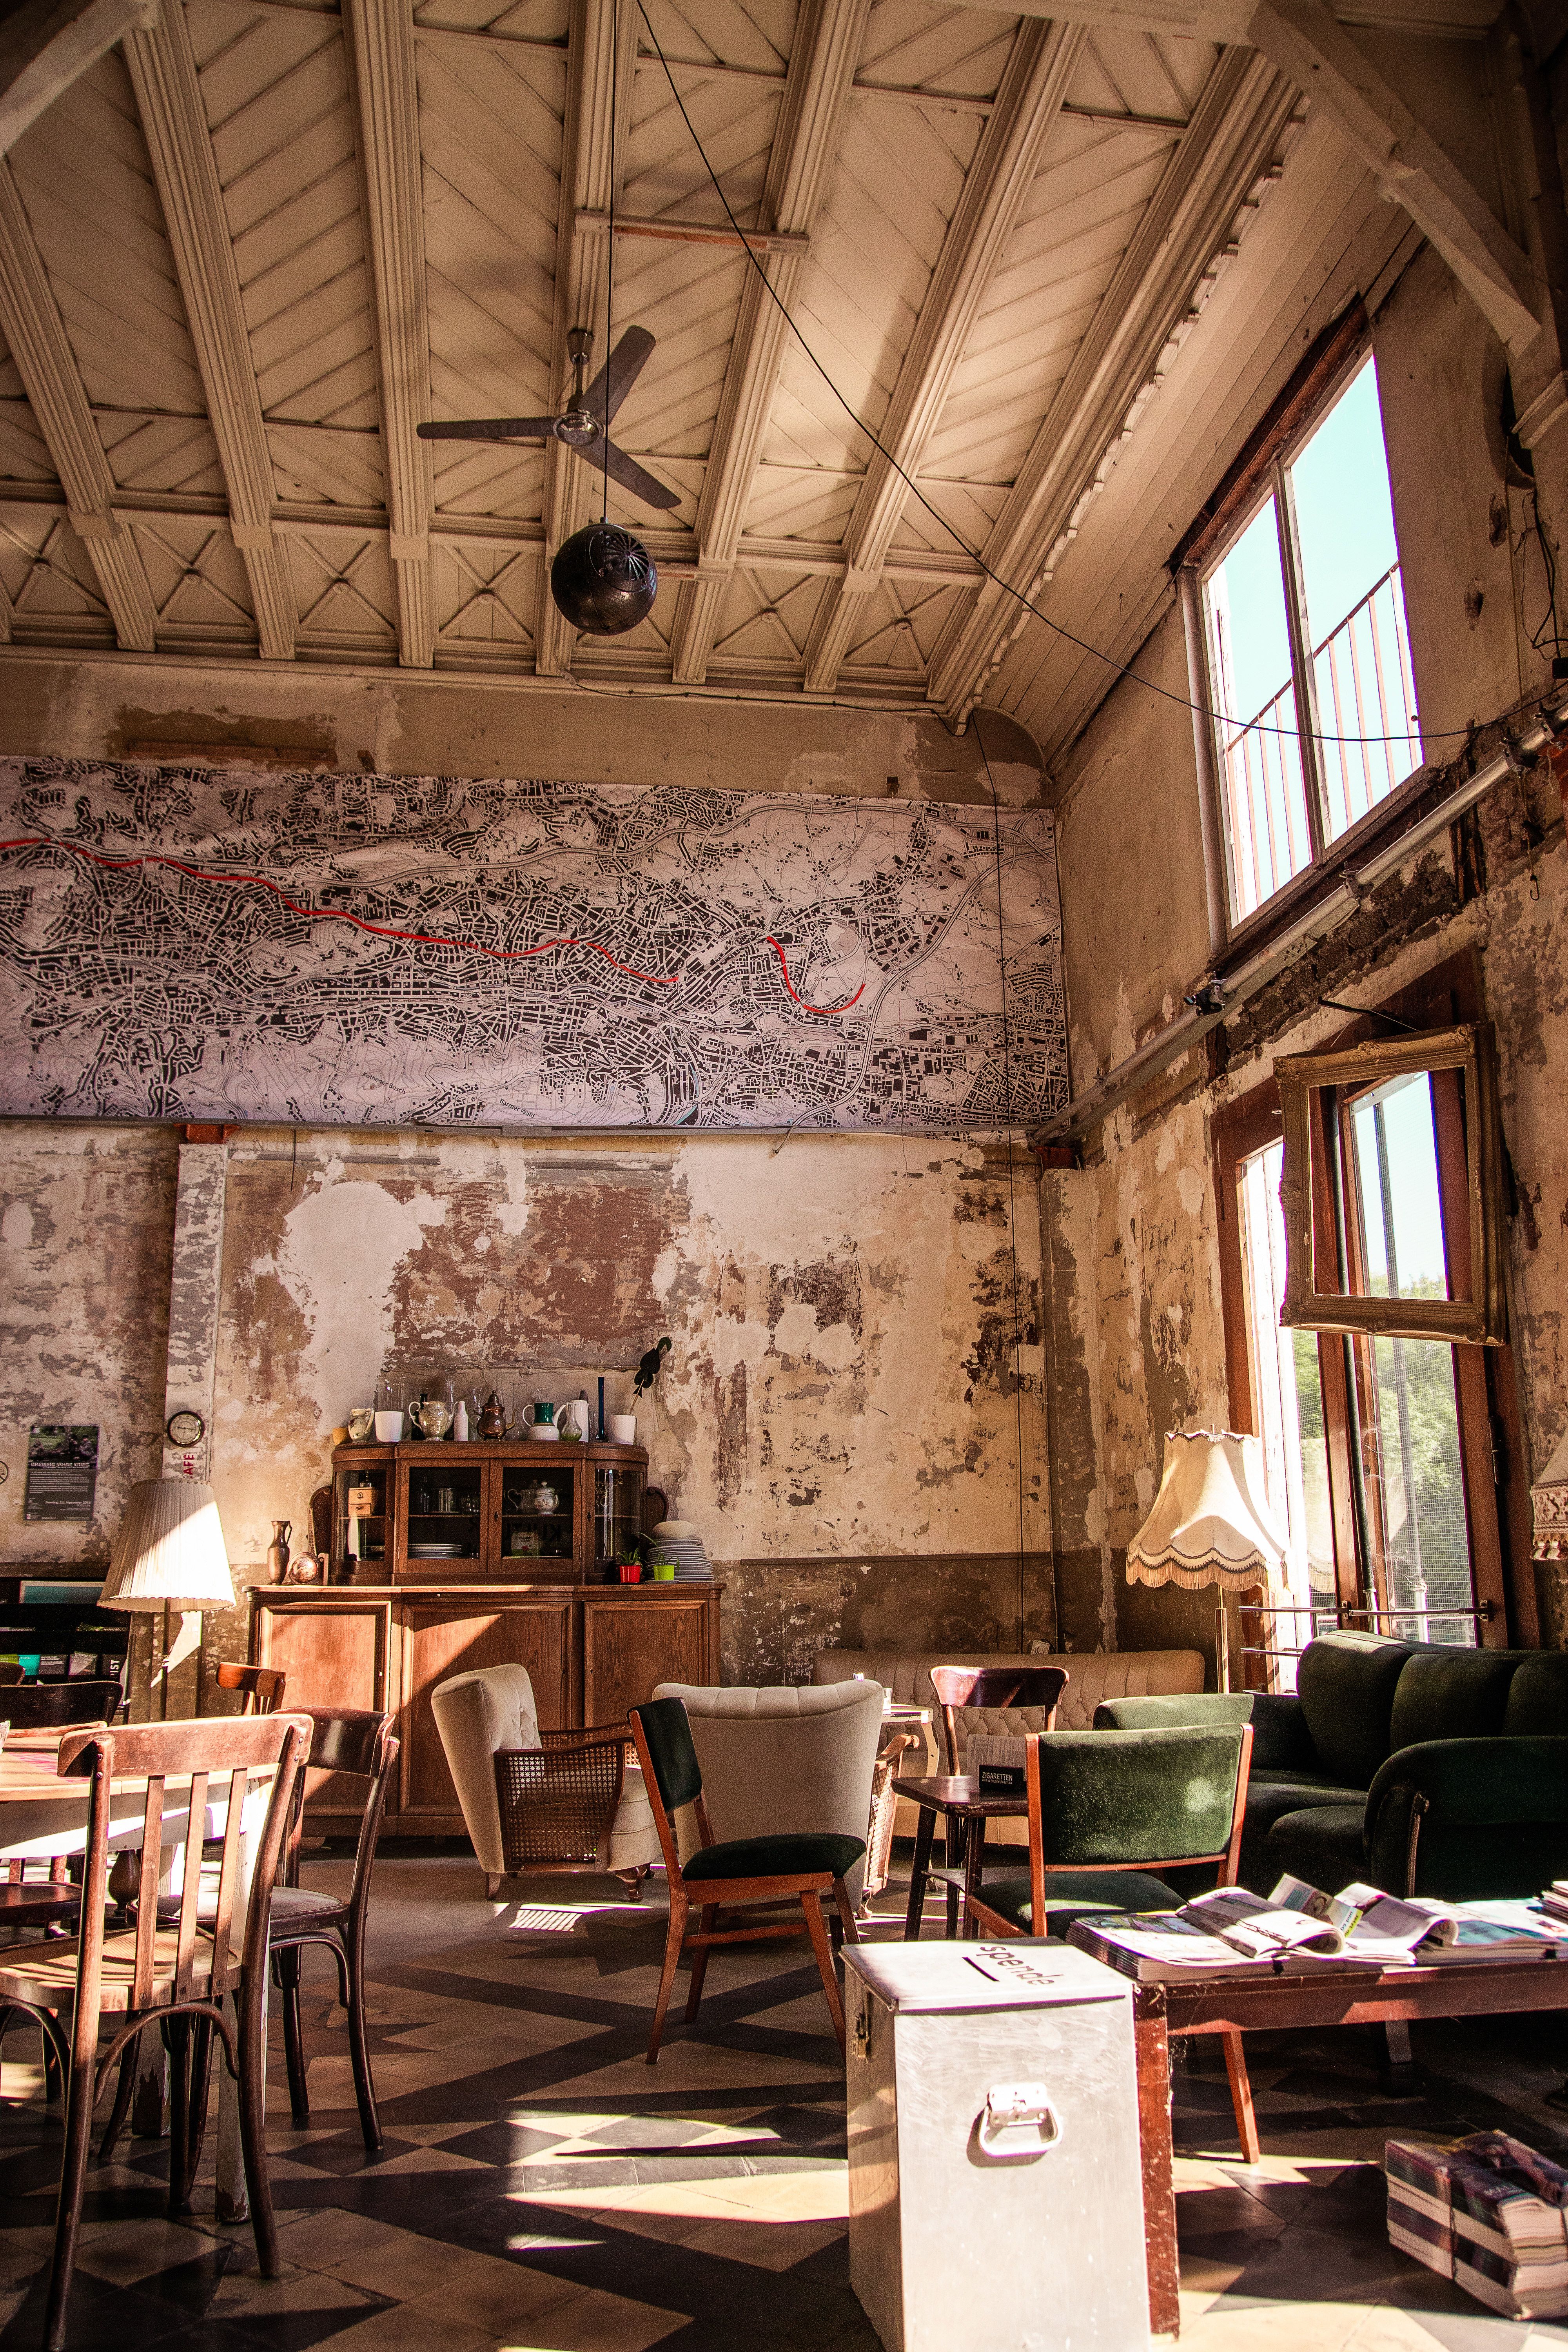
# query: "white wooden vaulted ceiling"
{"type": "Point", "coordinates": [252, 246]}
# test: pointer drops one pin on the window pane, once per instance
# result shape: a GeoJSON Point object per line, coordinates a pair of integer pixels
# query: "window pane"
{"type": "Point", "coordinates": [1289, 1415]}
{"type": "Point", "coordinates": [1412, 1489]}
{"type": "Point", "coordinates": [1354, 620]}
{"type": "Point", "coordinates": [1399, 1210]}
{"type": "Point", "coordinates": [1255, 703]}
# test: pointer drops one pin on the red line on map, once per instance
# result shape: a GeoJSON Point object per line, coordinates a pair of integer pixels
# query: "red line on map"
{"type": "Point", "coordinates": [823, 1011]}
{"type": "Point", "coordinates": [337, 914]}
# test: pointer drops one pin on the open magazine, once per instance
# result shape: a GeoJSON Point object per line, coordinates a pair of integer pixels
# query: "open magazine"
{"type": "Point", "coordinates": [1296, 1928]}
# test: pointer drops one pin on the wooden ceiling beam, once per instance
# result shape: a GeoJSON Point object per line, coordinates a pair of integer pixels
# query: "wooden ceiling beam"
{"type": "Point", "coordinates": [31, 322]}
{"type": "Point", "coordinates": [1038, 73]}
{"type": "Point", "coordinates": [383, 81]}
{"type": "Point", "coordinates": [164, 76]}
{"type": "Point", "coordinates": [830, 35]}
{"type": "Point", "coordinates": [1229, 149]}
{"type": "Point", "coordinates": [601, 58]}
{"type": "Point", "coordinates": [44, 45]}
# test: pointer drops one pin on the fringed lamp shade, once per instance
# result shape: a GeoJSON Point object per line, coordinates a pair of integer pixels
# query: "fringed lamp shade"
{"type": "Point", "coordinates": [1550, 1497]}
{"type": "Point", "coordinates": [1211, 1523]}
{"type": "Point", "coordinates": [170, 1551]}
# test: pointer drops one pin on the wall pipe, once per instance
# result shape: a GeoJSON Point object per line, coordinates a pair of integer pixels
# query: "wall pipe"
{"type": "Point", "coordinates": [1179, 1036]}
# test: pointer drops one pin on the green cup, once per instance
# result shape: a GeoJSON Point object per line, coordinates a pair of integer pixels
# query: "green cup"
{"type": "Point", "coordinates": [664, 1571]}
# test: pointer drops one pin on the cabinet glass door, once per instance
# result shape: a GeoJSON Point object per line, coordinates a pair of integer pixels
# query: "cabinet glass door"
{"type": "Point", "coordinates": [359, 1525]}
{"type": "Point", "coordinates": [617, 1511]}
{"type": "Point", "coordinates": [536, 1512]}
{"type": "Point", "coordinates": [444, 1511]}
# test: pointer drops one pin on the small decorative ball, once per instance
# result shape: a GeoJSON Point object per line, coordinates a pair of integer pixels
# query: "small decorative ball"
{"type": "Point", "coordinates": [603, 580]}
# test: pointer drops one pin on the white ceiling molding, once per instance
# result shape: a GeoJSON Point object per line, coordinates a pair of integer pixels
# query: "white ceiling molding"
{"type": "Point", "coordinates": [162, 70]}
{"type": "Point", "coordinates": [1230, 148]}
{"type": "Point", "coordinates": [70, 36]}
{"type": "Point", "coordinates": [35, 330]}
{"type": "Point", "coordinates": [828, 42]}
{"type": "Point", "coordinates": [600, 76]}
{"type": "Point", "coordinates": [1324, 62]}
{"type": "Point", "coordinates": [1038, 75]}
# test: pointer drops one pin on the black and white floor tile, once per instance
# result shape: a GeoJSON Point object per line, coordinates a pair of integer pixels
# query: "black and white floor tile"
{"type": "Point", "coordinates": [542, 2189]}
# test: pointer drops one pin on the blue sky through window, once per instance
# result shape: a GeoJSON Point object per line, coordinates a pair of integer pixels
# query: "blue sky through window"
{"type": "Point", "coordinates": [1248, 589]}
{"type": "Point", "coordinates": [1344, 515]}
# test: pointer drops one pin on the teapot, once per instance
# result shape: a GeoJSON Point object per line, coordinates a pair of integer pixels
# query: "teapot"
{"type": "Point", "coordinates": [492, 1418]}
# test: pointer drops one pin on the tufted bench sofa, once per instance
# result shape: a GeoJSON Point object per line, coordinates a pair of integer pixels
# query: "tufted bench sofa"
{"type": "Point", "coordinates": [1093, 1676]}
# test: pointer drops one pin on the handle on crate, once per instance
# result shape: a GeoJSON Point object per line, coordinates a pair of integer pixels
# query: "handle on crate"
{"type": "Point", "coordinates": [1018, 2119]}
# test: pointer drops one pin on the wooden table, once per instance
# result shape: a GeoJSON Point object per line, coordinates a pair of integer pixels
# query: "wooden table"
{"type": "Point", "coordinates": [1281, 2004]}
{"type": "Point", "coordinates": [966, 1808]}
{"type": "Point", "coordinates": [43, 1815]}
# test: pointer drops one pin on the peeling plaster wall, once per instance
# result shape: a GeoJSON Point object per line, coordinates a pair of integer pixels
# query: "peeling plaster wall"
{"type": "Point", "coordinates": [86, 1226]}
{"type": "Point", "coordinates": [1135, 1342]}
{"type": "Point", "coordinates": [838, 1412]}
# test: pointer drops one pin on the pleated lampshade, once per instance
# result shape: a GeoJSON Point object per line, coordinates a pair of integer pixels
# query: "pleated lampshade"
{"type": "Point", "coordinates": [1211, 1523]}
{"type": "Point", "coordinates": [170, 1552]}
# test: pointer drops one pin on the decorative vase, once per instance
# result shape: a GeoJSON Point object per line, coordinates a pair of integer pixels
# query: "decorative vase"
{"type": "Point", "coordinates": [278, 1551]}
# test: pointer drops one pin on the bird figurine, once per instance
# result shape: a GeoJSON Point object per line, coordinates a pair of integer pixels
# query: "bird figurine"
{"type": "Point", "coordinates": [648, 1369]}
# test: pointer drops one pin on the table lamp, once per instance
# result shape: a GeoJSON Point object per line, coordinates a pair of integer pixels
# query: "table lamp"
{"type": "Point", "coordinates": [1211, 1524]}
{"type": "Point", "coordinates": [169, 1559]}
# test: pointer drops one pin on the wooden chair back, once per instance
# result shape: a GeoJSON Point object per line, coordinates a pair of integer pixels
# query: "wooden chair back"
{"type": "Point", "coordinates": [362, 1743]}
{"type": "Point", "coordinates": [993, 1687]}
{"type": "Point", "coordinates": [668, 1754]}
{"type": "Point", "coordinates": [47, 1707]}
{"type": "Point", "coordinates": [1228, 1858]}
{"type": "Point", "coordinates": [263, 1687]}
{"type": "Point", "coordinates": [218, 1754]}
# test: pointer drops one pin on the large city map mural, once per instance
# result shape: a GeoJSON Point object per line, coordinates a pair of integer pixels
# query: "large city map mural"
{"type": "Point", "coordinates": [204, 944]}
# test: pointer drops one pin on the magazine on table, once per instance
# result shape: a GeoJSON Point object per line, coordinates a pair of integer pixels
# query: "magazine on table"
{"type": "Point", "coordinates": [1296, 1929]}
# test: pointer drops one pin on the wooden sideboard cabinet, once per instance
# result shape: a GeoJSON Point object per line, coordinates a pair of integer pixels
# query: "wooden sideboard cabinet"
{"type": "Point", "coordinates": [591, 1650]}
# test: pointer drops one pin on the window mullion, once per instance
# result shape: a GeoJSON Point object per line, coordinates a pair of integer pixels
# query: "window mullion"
{"type": "Point", "coordinates": [1301, 663]}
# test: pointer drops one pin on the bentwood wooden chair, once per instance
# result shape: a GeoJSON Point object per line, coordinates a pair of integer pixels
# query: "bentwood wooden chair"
{"type": "Point", "coordinates": [1108, 1812]}
{"type": "Point", "coordinates": [263, 1687]}
{"type": "Point", "coordinates": [54, 1706]}
{"type": "Point", "coordinates": [804, 1864]}
{"type": "Point", "coordinates": [167, 1978]}
{"type": "Point", "coordinates": [992, 1689]}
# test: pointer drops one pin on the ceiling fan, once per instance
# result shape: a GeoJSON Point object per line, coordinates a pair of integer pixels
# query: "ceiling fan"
{"type": "Point", "coordinates": [583, 424]}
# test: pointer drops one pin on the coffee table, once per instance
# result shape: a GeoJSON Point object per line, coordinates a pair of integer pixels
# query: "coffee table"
{"type": "Point", "coordinates": [1277, 2004]}
{"type": "Point", "coordinates": [966, 1808]}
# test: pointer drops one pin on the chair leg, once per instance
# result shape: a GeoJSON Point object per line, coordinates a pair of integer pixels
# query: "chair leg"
{"type": "Point", "coordinates": [177, 2035]}
{"type": "Point", "coordinates": [632, 1881]}
{"type": "Point", "coordinates": [1241, 2097]}
{"type": "Point", "coordinates": [352, 1972]}
{"type": "Point", "coordinates": [120, 2114]}
{"type": "Point", "coordinates": [492, 1885]}
{"type": "Point", "coordinates": [816, 1927]}
{"type": "Point", "coordinates": [673, 1941]}
{"type": "Point", "coordinates": [847, 1912]}
{"type": "Point", "coordinates": [252, 2105]}
{"type": "Point", "coordinates": [288, 1966]}
{"type": "Point", "coordinates": [707, 1922]}
{"type": "Point", "coordinates": [73, 2180]}
{"type": "Point", "coordinates": [201, 2083]}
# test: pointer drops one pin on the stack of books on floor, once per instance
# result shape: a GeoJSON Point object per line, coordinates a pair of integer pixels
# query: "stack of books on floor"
{"type": "Point", "coordinates": [1297, 1930]}
{"type": "Point", "coordinates": [1488, 2212]}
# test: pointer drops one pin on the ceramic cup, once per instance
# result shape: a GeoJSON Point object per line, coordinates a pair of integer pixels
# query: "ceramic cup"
{"type": "Point", "coordinates": [624, 1428]}
{"type": "Point", "coordinates": [388, 1428]}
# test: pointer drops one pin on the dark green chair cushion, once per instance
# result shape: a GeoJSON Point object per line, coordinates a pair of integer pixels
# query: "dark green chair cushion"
{"type": "Point", "coordinates": [1321, 1843]}
{"type": "Point", "coordinates": [1267, 1800]}
{"type": "Point", "coordinates": [1280, 1734]}
{"type": "Point", "coordinates": [1455, 1694]}
{"type": "Point", "coordinates": [1137, 1797]}
{"type": "Point", "coordinates": [1346, 1683]}
{"type": "Point", "coordinates": [672, 1750]}
{"type": "Point", "coordinates": [1076, 1894]}
{"type": "Point", "coordinates": [782, 1855]}
{"type": "Point", "coordinates": [1538, 1694]}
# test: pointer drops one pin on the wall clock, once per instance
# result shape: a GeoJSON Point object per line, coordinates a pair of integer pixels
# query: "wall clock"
{"type": "Point", "coordinates": [184, 1428]}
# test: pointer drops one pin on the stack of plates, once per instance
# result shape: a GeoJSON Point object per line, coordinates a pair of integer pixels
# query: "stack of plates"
{"type": "Point", "coordinates": [679, 1540]}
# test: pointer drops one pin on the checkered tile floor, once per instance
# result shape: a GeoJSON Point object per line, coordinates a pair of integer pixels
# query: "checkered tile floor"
{"type": "Point", "coordinates": [542, 2189]}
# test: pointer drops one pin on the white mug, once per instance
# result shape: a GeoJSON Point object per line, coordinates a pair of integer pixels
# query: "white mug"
{"type": "Point", "coordinates": [624, 1428]}
{"type": "Point", "coordinates": [388, 1428]}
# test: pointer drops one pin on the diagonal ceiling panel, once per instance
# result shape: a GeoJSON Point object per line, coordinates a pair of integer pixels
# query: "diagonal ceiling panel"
{"type": "Point", "coordinates": [23, 453]}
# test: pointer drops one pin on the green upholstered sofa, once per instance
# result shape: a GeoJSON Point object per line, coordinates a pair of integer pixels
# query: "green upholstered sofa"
{"type": "Point", "coordinates": [1470, 1745]}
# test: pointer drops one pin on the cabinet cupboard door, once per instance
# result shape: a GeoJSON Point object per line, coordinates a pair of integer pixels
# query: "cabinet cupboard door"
{"type": "Point", "coordinates": [445, 1638]}
{"type": "Point", "coordinates": [335, 1654]}
{"type": "Point", "coordinates": [627, 1647]}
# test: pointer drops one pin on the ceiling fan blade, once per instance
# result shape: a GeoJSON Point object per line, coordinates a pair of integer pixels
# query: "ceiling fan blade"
{"type": "Point", "coordinates": [619, 374]}
{"type": "Point", "coordinates": [604, 457]}
{"type": "Point", "coordinates": [491, 428]}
